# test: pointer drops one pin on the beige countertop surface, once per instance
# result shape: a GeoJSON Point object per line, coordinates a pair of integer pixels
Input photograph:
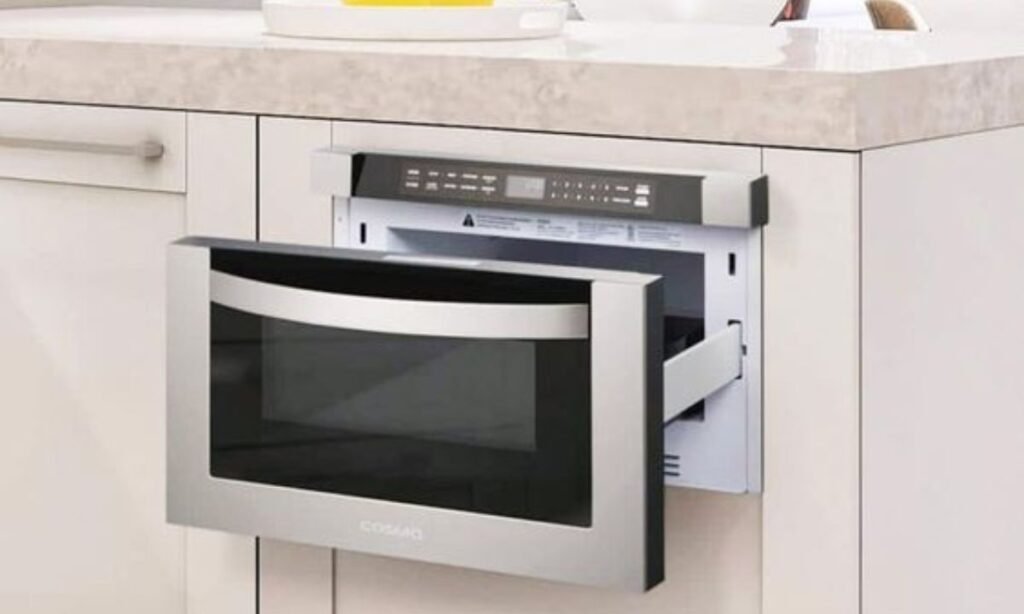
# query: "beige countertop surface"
{"type": "Point", "coordinates": [795, 87]}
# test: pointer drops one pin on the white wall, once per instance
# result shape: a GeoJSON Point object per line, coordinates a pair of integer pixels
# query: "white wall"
{"type": "Point", "coordinates": [941, 15]}
{"type": "Point", "coordinates": [972, 14]}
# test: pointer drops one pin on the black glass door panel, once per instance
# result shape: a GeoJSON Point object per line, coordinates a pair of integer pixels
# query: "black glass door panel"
{"type": "Point", "coordinates": [491, 426]}
{"type": "Point", "coordinates": [422, 387]}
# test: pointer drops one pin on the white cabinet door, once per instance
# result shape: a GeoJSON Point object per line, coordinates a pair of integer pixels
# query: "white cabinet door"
{"type": "Point", "coordinates": [290, 212]}
{"type": "Point", "coordinates": [82, 354]}
{"type": "Point", "coordinates": [82, 361]}
{"type": "Point", "coordinates": [943, 402]}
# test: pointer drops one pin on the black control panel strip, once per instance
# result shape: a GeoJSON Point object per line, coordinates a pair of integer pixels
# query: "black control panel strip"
{"type": "Point", "coordinates": [670, 198]}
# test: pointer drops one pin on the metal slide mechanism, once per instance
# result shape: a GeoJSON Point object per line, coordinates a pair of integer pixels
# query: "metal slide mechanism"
{"type": "Point", "coordinates": [702, 370]}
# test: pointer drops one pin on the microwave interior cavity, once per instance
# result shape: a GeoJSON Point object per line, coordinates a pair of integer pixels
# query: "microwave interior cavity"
{"type": "Point", "coordinates": [711, 279]}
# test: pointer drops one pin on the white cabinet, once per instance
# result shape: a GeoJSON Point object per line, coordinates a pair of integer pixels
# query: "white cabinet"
{"type": "Point", "coordinates": [812, 388]}
{"type": "Point", "coordinates": [82, 250]}
{"type": "Point", "coordinates": [943, 433]}
{"type": "Point", "coordinates": [81, 318]}
{"type": "Point", "coordinates": [892, 431]}
{"type": "Point", "coordinates": [290, 212]}
{"type": "Point", "coordinates": [221, 575]}
{"type": "Point", "coordinates": [294, 578]}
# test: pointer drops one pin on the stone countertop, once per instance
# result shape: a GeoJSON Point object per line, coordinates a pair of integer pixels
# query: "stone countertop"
{"type": "Point", "coordinates": [795, 87]}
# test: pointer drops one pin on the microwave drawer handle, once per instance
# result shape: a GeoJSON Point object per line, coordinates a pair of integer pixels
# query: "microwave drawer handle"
{"type": "Point", "coordinates": [700, 371]}
{"type": "Point", "coordinates": [145, 150]}
{"type": "Point", "coordinates": [399, 316]}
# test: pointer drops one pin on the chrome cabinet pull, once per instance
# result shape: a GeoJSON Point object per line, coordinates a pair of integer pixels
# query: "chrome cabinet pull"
{"type": "Point", "coordinates": [146, 150]}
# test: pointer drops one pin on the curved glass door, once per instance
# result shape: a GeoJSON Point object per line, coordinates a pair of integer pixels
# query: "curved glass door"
{"type": "Point", "coordinates": [497, 426]}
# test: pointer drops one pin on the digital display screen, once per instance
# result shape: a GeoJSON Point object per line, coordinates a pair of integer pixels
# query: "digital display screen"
{"type": "Point", "coordinates": [526, 187]}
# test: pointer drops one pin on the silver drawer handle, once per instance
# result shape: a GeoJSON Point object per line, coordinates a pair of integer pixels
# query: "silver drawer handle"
{"type": "Point", "coordinates": [146, 150]}
{"type": "Point", "coordinates": [399, 316]}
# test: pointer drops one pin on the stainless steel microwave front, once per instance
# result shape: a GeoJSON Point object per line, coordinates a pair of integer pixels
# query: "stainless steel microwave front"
{"type": "Point", "coordinates": [493, 415]}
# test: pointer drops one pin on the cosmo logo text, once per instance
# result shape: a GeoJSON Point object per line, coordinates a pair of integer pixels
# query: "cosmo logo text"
{"type": "Point", "coordinates": [391, 530]}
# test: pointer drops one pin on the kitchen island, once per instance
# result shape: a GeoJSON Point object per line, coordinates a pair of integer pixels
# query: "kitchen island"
{"type": "Point", "coordinates": [892, 286]}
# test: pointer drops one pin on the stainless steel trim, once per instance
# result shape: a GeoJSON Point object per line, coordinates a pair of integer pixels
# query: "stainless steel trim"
{"type": "Point", "coordinates": [726, 198]}
{"type": "Point", "coordinates": [460, 263]}
{"type": "Point", "coordinates": [702, 370]}
{"type": "Point", "coordinates": [146, 150]}
{"type": "Point", "coordinates": [403, 317]}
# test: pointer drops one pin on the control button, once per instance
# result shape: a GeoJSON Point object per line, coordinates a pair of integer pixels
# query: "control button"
{"type": "Point", "coordinates": [641, 202]}
{"type": "Point", "coordinates": [592, 198]}
{"type": "Point", "coordinates": [451, 175]}
{"type": "Point", "coordinates": [468, 188]}
{"type": "Point", "coordinates": [488, 189]}
{"type": "Point", "coordinates": [412, 185]}
{"type": "Point", "coordinates": [621, 201]}
{"type": "Point", "coordinates": [415, 172]}
{"type": "Point", "coordinates": [433, 173]}
{"type": "Point", "coordinates": [431, 186]}
{"type": "Point", "coordinates": [451, 186]}
{"type": "Point", "coordinates": [623, 188]}
{"type": "Point", "coordinates": [470, 176]}
{"type": "Point", "coordinates": [490, 178]}
{"type": "Point", "coordinates": [643, 189]}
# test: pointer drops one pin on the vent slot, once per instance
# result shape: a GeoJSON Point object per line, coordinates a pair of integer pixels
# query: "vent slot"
{"type": "Point", "coordinates": [671, 465]}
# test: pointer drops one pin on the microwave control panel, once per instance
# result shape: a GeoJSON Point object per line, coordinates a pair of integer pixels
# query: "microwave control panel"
{"type": "Point", "coordinates": [640, 195]}
{"type": "Point", "coordinates": [557, 189]}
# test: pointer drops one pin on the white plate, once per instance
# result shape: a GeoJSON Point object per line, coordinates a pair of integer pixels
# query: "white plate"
{"type": "Point", "coordinates": [739, 12]}
{"type": "Point", "coordinates": [507, 19]}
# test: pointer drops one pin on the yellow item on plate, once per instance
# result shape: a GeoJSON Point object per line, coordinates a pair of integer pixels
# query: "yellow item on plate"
{"type": "Point", "coordinates": [418, 2]}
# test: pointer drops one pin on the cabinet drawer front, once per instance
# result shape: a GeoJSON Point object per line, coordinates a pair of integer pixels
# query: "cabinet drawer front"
{"type": "Point", "coordinates": [122, 148]}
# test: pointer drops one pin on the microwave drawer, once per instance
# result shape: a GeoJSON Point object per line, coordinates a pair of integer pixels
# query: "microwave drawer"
{"type": "Point", "coordinates": [494, 415]}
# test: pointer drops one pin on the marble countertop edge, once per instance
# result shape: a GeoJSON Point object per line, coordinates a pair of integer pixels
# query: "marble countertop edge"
{"type": "Point", "coordinates": [815, 90]}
